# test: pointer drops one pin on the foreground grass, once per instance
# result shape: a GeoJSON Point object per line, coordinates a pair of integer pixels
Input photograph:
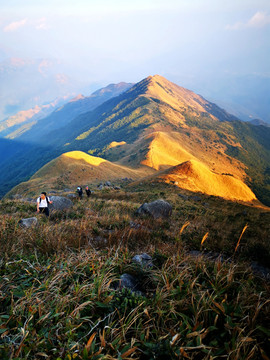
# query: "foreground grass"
{"type": "Point", "coordinates": [68, 308]}
{"type": "Point", "coordinates": [58, 288]}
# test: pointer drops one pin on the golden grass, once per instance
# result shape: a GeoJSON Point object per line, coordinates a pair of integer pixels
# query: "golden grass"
{"type": "Point", "coordinates": [172, 94]}
{"type": "Point", "coordinates": [116, 143]}
{"type": "Point", "coordinates": [195, 176]}
{"type": "Point", "coordinates": [80, 155]}
{"type": "Point", "coordinates": [165, 151]}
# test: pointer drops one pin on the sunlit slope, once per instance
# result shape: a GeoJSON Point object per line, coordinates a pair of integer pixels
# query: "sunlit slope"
{"type": "Point", "coordinates": [76, 168]}
{"type": "Point", "coordinates": [195, 176]}
{"type": "Point", "coordinates": [158, 124]}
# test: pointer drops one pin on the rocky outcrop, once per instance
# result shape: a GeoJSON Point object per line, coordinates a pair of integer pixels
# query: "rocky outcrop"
{"type": "Point", "coordinates": [144, 260]}
{"type": "Point", "coordinates": [60, 203]}
{"type": "Point", "coordinates": [28, 222]}
{"type": "Point", "coordinates": [157, 209]}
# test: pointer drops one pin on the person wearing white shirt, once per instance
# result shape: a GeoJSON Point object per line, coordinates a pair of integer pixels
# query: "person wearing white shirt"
{"type": "Point", "coordinates": [43, 204]}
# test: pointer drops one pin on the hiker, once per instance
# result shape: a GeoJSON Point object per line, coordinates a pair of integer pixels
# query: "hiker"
{"type": "Point", "coordinates": [87, 191]}
{"type": "Point", "coordinates": [43, 204]}
{"type": "Point", "coordinates": [79, 191]}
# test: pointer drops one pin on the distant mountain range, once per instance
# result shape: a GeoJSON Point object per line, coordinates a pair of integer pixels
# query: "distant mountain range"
{"type": "Point", "coordinates": [27, 125]}
{"type": "Point", "coordinates": [24, 83]}
{"type": "Point", "coordinates": [150, 128]}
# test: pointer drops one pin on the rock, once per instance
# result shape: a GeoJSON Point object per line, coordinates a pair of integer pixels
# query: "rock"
{"type": "Point", "coordinates": [117, 188]}
{"type": "Point", "coordinates": [185, 197]}
{"type": "Point", "coordinates": [60, 203]}
{"type": "Point", "coordinates": [195, 198]}
{"type": "Point", "coordinates": [134, 225]}
{"type": "Point", "coordinates": [28, 222]}
{"type": "Point", "coordinates": [16, 197]}
{"type": "Point", "coordinates": [108, 183]}
{"type": "Point", "coordinates": [100, 187]}
{"type": "Point", "coordinates": [260, 270]}
{"type": "Point", "coordinates": [157, 209]}
{"type": "Point", "coordinates": [72, 196]}
{"type": "Point", "coordinates": [128, 281]}
{"type": "Point", "coordinates": [144, 260]}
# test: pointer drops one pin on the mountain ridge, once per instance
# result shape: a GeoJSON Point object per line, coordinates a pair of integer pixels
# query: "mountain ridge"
{"type": "Point", "coordinates": [190, 125]}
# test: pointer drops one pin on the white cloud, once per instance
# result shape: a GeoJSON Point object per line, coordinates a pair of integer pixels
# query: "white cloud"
{"type": "Point", "coordinates": [258, 20]}
{"type": "Point", "coordinates": [15, 25]}
{"type": "Point", "coordinates": [41, 24]}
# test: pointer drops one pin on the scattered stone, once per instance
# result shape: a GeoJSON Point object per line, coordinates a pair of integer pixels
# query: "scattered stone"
{"type": "Point", "coordinates": [185, 197]}
{"type": "Point", "coordinates": [16, 196]}
{"type": "Point", "coordinates": [195, 253]}
{"type": "Point", "coordinates": [100, 187]}
{"type": "Point", "coordinates": [128, 281]}
{"type": "Point", "coordinates": [195, 198]}
{"type": "Point", "coordinates": [134, 225]}
{"type": "Point", "coordinates": [260, 270]}
{"type": "Point", "coordinates": [117, 188]}
{"type": "Point", "coordinates": [28, 222]}
{"type": "Point", "coordinates": [144, 260]}
{"type": "Point", "coordinates": [157, 209]}
{"type": "Point", "coordinates": [108, 183]}
{"type": "Point", "coordinates": [60, 203]}
{"type": "Point", "coordinates": [71, 196]}
{"type": "Point", "coordinates": [67, 190]}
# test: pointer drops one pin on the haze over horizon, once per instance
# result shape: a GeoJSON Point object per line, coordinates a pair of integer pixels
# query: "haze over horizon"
{"type": "Point", "coordinates": [219, 50]}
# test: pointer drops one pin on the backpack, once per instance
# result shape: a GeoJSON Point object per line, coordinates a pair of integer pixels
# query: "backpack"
{"type": "Point", "coordinates": [46, 200]}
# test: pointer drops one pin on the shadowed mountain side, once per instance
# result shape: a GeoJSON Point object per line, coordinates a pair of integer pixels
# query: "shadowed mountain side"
{"type": "Point", "coordinates": [76, 168]}
{"type": "Point", "coordinates": [194, 176]}
{"type": "Point", "coordinates": [163, 125]}
{"type": "Point", "coordinates": [20, 160]}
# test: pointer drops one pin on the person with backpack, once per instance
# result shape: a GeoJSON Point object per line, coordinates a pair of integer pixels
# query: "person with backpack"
{"type": "Point", "coordinates": [43, 204]}
{"type": "Point", "coordinates": [79, 191]}
{"type": "Point", "coordinates": [87, 191]}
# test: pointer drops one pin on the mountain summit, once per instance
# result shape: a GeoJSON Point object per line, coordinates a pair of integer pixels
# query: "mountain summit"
{"type": "Point", "coordinates": [157, 125]}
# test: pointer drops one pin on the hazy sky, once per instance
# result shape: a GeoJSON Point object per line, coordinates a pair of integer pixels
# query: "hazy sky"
{"type": "Point", "coordinates": [119, 40]}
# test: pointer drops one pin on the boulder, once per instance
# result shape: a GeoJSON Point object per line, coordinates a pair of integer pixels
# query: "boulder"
{"type": "Point", "coordinates": [60, 203]}
{"type": "Point", "coordinates": [144, 260]}
{"type": "Point", "coordinates": [128, 281]}
{"type": "Point", "coordinates": [157, 209]}
{"type": "Point", "coordinates": [28, 222]}
{"type": "Point", "coordinates": [72, 196]}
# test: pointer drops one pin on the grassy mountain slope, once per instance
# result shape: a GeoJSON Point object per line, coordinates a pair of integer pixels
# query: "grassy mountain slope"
{"type": "Point", "coordinates": [59, 279]}
{"type": "Point", "coordinates": [160, 124]}
{"type": "Point", "coordinates": [194, 176]}
{"type": "Point", "coordinates": [76, 168]}
{"type": "Point", "coordinates": [23, 156]}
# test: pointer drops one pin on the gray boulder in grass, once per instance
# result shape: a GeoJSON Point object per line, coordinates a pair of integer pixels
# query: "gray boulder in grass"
{"type": "Point", "coordinates": [144, 260]}
{"type": "Point", "coordinates": [60, 203]}
{"type": "Point", "coordinates": [28, 222]}
{"type": "Point", "coordinates": [157, 209]}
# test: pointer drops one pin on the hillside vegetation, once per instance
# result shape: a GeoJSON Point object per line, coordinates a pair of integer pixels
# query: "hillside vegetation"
{"type": "Point", "coordinates": [58, 289]}
{"type": "Point", "coordinates": [159, 125]}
